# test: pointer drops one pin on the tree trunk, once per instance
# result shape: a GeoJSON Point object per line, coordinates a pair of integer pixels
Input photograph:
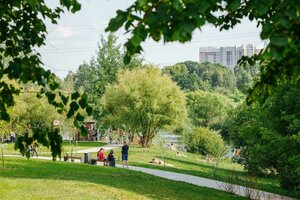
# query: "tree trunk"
{"type": "Point", "coordinates": [145, 140]}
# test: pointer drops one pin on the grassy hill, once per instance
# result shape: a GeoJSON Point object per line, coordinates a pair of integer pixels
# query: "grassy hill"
{"type": "Point", "coordinates": [40, 179]}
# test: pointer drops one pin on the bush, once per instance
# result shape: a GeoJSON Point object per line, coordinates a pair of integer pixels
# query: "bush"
{"type": "Point", "coordinates": [204, 141]}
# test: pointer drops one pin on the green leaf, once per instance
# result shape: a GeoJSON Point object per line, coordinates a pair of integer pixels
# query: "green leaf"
{"type": "Point", "coordinates": [64, 99]}
{"type": "Point", "coordinates": [261, 9]}
{"type": "Point", "coordinates": [127, 58]}
{"type": "Point", "coordinates": [79, 117]}
{"type": "Point", "coordinates": [177, 5]}
{"type": "Point", "coordinates": [84, 131]}
{"type": "Point", "coordinates": [75, 95]}
{"type": "Point", "coordinates": [83, 103]}
{"type": "Point", "coordinates": [76, 123]}
{"type": "Point", "coordinates": [115, 23]}
{"type": "Point", "coordinates": [285, 22]}
{"type": "Point", "coordinates": [279, 40]}
{"type": "Point", "coordinates": [233, 5]}
{"type": "Point", "coordinates": [73, 108]}
{"type": "Point", "coordinates": [76, 7]}
{"type": "Point", "coordinates": [188, 27]}
{"type": "Point", "coordinates": [89, 110]}
{"type": "Point", "coordinates": [50, 96]}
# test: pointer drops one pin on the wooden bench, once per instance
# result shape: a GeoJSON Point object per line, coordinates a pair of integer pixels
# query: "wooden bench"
{"type": "Point", "coordinates": [95, 160]}
{"type": "Point", "coordinates": [66, 158]}
{"type": "Point", "coordinates": [109, 163]}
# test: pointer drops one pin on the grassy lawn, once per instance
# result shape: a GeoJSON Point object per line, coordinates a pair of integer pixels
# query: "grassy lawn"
{"type": "Point", "coordinates": [188, 164]}
{"type": "Point", "coordinates": [40, 179]}
{"type": "Point", "coordinates": [195, 165]}
{"type": "Point", "coordinates": [66, 148]}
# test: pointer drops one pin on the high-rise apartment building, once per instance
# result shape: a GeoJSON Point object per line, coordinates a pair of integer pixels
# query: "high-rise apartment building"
{"type": "Point", "coordinates": [249, 50]}
{"type": "Point", "coordinates": [210, 54]}
{"type": "Point", "coordinates": [226, 56]}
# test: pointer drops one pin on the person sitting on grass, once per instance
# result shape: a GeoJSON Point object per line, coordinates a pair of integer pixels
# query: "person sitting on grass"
{"type": "Point", "coordinates": [102, 157]}
{"type": "Point", "coordinates": [111, 159]}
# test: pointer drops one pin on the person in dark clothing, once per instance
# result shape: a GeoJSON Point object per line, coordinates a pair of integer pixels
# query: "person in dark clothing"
{"type": "Point", "coordinates": [111, 159]}
{"type": "Point", "coordinates": [33, 149]}
{"type": "Point", "coordinates": [125, 149]}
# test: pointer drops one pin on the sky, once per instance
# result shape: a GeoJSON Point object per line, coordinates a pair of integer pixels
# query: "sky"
{"type": "Point", "coordinates": [74, 39]}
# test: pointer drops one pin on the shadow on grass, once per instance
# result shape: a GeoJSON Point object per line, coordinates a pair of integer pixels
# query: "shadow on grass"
{"type": "Point", "coordinates": [224, 175]}
{"type": "Point", "coordinates": [137, 182]}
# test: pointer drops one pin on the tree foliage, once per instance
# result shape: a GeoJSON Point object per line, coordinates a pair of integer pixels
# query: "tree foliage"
{"type": "Point", "coordinates": [22, 31]}
{"type": "Point", "coordinates": [102, 70]}
{"type": "Point", "coordinates": [245, 77]}
{"type": "Point", "coordinates": [193, 76]}
{"type": "Point", "coordinates": [143, 100]}
{"type": "Point", "coordinates": [207, 109]}
{"type": "Point", "coordinates": [269, 135]}
{"type": "Point", "coordinates": [204, 141]}
{"type": "Point", "coordinates": [32, 119]}
{"type": "Point", "coordinates": [176, 20]}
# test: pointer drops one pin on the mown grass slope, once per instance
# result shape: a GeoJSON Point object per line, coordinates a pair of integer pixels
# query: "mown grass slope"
{"type": "Point", "coordinates": [40, 179]}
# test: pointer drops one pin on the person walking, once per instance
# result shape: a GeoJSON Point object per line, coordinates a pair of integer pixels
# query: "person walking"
{"type": "Point", "coordinates": [12, 137]}
{"type": "Point", "coordinates": [125, 149]}
{"type": "Point", "coordinates": [33, 151]}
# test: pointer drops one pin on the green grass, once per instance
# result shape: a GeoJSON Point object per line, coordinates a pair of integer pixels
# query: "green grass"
{"type": "Point", "coordinates": [40, 179]}
{"type": "Point", "coordinates": [191, 164]}
{"type": "Point", "coordinates": [195, 165]}
{"type": "Point", "coordinates": [66, 148]}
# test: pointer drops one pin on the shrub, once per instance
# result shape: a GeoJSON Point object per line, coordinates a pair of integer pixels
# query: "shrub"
{"type": "Point", "coordinates": [204, 141]}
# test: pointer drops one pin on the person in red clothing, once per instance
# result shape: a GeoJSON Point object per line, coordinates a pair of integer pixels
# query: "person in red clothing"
{"type": "Point", "coordinates": [102, 157]}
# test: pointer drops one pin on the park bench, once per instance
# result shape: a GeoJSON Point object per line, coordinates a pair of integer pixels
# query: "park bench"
{"type": "Point", "coordinates": [66, 158]}
{"type": "Point", "coordinates": [110, 163]}
{"type": "Point", "coordinates": [95, 160]}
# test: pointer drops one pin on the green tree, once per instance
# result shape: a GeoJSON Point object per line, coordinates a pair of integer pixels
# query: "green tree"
{"type": "Point", "coordinates": [102, 70]}
{"type": "Point", "coordinates": [22, 31]}
{"type": "Point", "coordinates": [145, 101]}
{"type": "Point", "coordinates": [269, 135]}
{"type": "Point", "coordinates": [245, 76]}
{"type": "Point", "coordinates": [204, 141]}
{"type": "Point", "coordinates": [32, 119]}
{"type": "Point", "coordinates": [176, 20]}
{"type": "Point", "coordinates": [207, 109]}
{"type": "Point", "coordinates": [194, 76]}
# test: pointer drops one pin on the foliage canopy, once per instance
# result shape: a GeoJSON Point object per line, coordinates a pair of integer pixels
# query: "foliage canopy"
{"type": "Point", "coordinates": [204, 141]}
{"type": "Point", "coordinates": [144, 101]}
{"type": "Point", "coordinates": [176, 20]}
{"type": "Point", "coordinates": [269, 135]}
{"type": "Point", "coordinates": [207, 109]}
{"type": "Point", "coordinates": [193, 76]}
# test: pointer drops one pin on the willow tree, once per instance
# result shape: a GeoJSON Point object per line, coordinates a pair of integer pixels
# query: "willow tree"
{"type": "Point", "coordinates": [144, 100]}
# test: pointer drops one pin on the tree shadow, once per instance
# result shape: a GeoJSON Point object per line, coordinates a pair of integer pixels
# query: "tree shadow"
{"type": "Point", "coordinates": [136, 182]}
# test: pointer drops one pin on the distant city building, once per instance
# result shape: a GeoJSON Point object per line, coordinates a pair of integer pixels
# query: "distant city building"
{"type": "Point", "coordinates": [210, 54]}
{"type": "Point", "coordinates": [226, 56]}
{"type": "Point", "coordinates": [249, 50]}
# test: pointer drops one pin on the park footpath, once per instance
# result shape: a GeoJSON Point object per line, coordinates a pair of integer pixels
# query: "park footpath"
{"type": "Point", "coordinates": [195, 180]}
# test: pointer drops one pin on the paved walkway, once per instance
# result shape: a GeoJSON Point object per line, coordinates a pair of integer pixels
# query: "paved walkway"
{"type": "Point", "coordinates": [96, 149]}
{"type": "Point", "coordinates": [204, 182]}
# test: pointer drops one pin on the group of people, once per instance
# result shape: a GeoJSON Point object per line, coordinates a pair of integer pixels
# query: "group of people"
{"type": "Point", "coordinates": [110, 159]}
